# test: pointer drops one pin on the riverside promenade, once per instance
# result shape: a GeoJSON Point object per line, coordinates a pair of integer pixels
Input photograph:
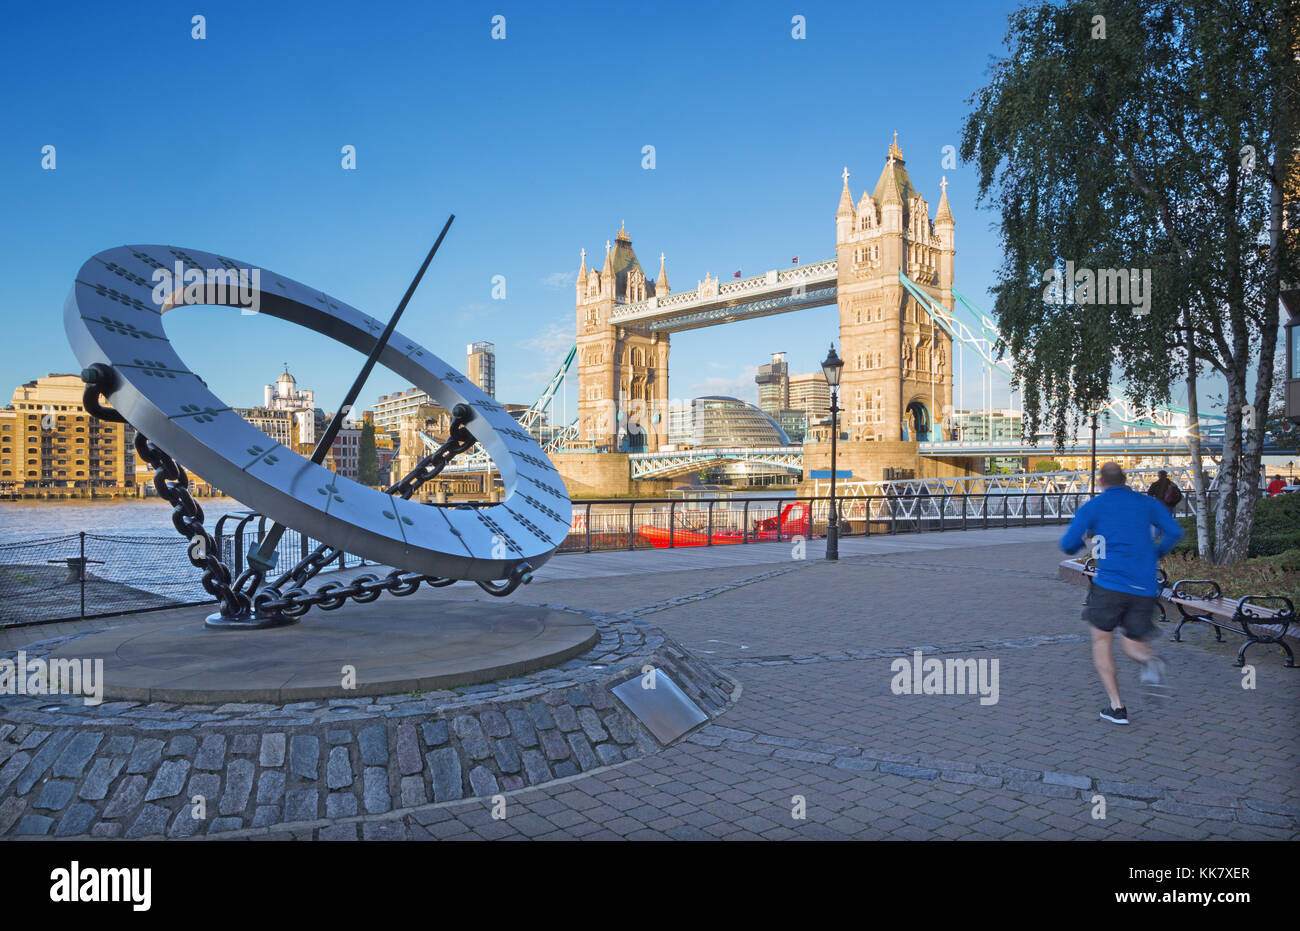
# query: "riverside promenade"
{"type": "Point", "coordinates": [811, 741]}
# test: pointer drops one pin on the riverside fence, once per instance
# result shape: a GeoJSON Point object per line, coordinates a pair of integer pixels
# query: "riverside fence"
{"type": "Point", "coordinates": [88, 575]}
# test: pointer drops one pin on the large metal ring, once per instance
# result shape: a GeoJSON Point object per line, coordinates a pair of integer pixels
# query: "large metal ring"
{"type": "Point", "coordinates": [114, 316]}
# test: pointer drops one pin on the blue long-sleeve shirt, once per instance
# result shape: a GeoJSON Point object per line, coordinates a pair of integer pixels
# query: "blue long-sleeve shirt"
{"type": "Point", "coordinates": [1129, 555]}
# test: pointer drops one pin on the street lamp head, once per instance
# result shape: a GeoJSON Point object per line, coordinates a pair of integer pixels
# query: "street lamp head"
{"type": "Point", "coordinates": [831, 368]}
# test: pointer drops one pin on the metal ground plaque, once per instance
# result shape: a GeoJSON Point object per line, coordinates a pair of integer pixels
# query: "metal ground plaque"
{"type": "Point", "coordinates": [660, 705]}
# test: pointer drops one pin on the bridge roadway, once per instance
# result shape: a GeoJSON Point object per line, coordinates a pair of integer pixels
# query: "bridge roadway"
{"type": "Point", "coordinates": [776, 291]}
{"type": "Point", "coordinates": [790, 458]}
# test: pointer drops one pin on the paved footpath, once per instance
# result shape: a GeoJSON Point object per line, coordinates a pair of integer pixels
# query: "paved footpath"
{"type": "Point", "coordinates": [817, 745]}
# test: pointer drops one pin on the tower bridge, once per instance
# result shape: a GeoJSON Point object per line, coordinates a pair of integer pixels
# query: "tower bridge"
{"type": "Point", "coordinates": [902, 323]}
{"type": "Point", "coordinates": [897, 372]}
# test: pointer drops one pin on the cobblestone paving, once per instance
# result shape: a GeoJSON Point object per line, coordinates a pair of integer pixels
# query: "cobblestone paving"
{"type": "Point", "coordinates": [806, 649]}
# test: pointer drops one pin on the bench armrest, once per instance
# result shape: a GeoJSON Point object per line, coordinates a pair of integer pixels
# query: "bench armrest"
{"type": "Point", "coordinates": [1256, 608]}
{"type": "Point", "coordinates": [1185, 592]}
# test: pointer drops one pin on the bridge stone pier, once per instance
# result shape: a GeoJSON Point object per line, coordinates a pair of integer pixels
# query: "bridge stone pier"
{"type": "Point", "coordinates": [896, 386]}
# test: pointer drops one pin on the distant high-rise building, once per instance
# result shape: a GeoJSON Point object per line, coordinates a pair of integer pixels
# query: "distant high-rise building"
{"type": "Point", "coordinates": [345, 454]}
{"type": "Point", "coordinates": [481, 366]}
{"type": "Point", "coordinates": [773, 380]}
{"type": "Point", "coordinates": [48, 440]}
{"type": "Point", "coordinates": [992, 425]}
{"type": "Point", "coordinates": [391, 408]}
{"type": "Point", "coordinates": [811, 395]}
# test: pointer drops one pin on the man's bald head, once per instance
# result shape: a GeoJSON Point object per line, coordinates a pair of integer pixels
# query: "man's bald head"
{"type": "Point", "coordinates": [1112, 475]}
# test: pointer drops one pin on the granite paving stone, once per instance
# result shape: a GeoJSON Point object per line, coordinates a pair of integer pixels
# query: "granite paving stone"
{"type": "Point", "coordinates": [55, 794]}
{"type": "Point", "coordinates": [375, 790]}
{"type": "Point", "coordinates": [102, 773]}
{"type": "Point", "coordinates": [272, 750]}
{"type": "Point", "coordinates": [374, 745]}
{"type": "Point", "coordinates": [41, 760]}
{"type": "Point", "coordinates": [506, 755]}
{"type": "Point", "coordinates": [270, 786]}
{"type": "Point", "coordinates": [180, 745]}
{"type": "Point", "coordinates": [472, 738]}
{"type": "Point", "coordinates": [73, 760]}
{"type": "Point", "coordinates": [483, 782]}
{"type": "Point", "coordinates": [339, 769]}
{"type": "Point", "coordinates": [413, 792]}
{"type": "Point", "coordinates": [495, 724]}
{"type": "Point", "coordinates": [521, 727]}
{"type": "Point", "coordinates": [409, 760]}
{"type": "Point", "coordinates": [152, 820]}
{"type": "Point", "coordinates": [302, 805]}
{"type": "Point", "coordinates": [129, 794]}
{"type": "Point", "coordinates": [212, 753]}
{"type": "Point", "coordinates": [33, 825]}
{"type": "Point", "coordinates": [239, 784]}
{"type": "Point", "coordinates": [445, 771]}
{"type": "Point", "coordinates": [304, 756]}
{"type": "Point", "coordinates": [75, 821]}
{"type": "Point", "coordinates": [169, 779]}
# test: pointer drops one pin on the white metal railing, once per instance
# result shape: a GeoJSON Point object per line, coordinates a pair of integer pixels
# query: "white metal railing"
{"type": "Point", "coordinates": [1067, 482]}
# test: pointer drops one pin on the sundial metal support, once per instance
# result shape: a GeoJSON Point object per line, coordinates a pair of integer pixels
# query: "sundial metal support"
{"type": "Point", "coordinates": [114, 324]}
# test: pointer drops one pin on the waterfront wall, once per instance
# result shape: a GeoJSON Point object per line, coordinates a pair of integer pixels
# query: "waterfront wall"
{"type": "Point", "coordinates": [868, 460]}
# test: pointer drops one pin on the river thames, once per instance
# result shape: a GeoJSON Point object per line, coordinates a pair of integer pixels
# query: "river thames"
{"type": "Point", "coordinates": [149, 517]}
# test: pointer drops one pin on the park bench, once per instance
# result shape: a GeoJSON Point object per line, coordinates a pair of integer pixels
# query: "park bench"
{"type": "Point", "coordinates": [1202, 600]}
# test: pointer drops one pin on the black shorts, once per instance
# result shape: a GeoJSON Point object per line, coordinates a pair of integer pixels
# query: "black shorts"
{"type": "Point", "coordinates": [1107, 609]}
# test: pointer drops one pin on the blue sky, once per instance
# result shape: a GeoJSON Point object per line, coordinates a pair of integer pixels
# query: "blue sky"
{"type": "Point", "coordinates": [232, 144]}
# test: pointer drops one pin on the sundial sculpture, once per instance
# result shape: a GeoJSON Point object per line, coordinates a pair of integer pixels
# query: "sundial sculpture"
{"type": "Point", "coordinates": [115, 326]}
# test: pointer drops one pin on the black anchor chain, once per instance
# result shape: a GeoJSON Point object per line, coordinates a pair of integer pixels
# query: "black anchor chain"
{"type": "Point", "coordinates": [173, 486]}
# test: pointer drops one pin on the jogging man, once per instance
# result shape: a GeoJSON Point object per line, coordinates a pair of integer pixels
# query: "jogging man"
{"type": "Point", "coordinates": [1124, 591]}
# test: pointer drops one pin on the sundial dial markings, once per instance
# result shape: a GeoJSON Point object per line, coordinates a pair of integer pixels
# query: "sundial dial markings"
{"type": "Point", "coordinates": [201, 414]}
{"type": "Point", "coordinates": [542, 508]}
{"type": "Point", "coordinates": [122, 328]}
{"type": "Point", "coordinates": [329, 488]}
{"type": "Point", "coordinates": [126, 274]}
{"type": "Point", "coordinates": [266, 456]}
{"type": "Point", "coordinates": [393, 513]}
{"type": "Point", "coordinates": [543, 486]}
{"type": "Point", "coordinates": [498, 530]}
{"type": "Point", "coordinates": [119, 297]}
{"type": "Point", "coordinates": [154, 369]}
{"type": "Point", "coordinates": [528, 524]}
{"type": "Point", "coordinates": [148, 260]}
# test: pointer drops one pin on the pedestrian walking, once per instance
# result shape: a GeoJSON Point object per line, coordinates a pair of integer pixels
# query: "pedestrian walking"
{"type": "Point", "coordinates": [1125, 588]}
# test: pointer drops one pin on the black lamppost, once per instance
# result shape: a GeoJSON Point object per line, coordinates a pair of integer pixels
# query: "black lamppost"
{"type": "Point", "coordinates": [831, 368]}
{"type": "Point", "coordinates": [1092, 477]}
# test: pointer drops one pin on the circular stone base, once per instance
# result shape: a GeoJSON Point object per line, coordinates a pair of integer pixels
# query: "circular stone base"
{"type": "Point", "coordinates": [402, 646]}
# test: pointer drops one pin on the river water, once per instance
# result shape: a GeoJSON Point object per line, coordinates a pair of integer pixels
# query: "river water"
{"type": "Point", "coordinates": [148, 517]}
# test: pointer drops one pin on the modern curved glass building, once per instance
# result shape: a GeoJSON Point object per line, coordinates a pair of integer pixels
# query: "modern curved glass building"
{"type": "Point", "coordinates": [723, 421]}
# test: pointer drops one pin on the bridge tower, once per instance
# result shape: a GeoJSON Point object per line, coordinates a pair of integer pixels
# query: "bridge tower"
{"type": "Point", "coordinates": [897, 378]}
{"type": "Point", "coordinates": [622, 371]}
